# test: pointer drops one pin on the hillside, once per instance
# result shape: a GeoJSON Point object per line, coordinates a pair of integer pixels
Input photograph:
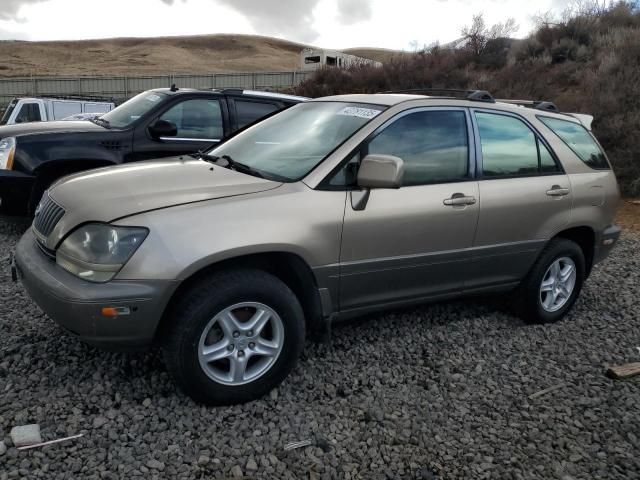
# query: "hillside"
{"type": "Point", "coordinates": [378, 54]}
{"type": "Point", "coordinates": [161, 55]}
{"type": "Point", "coordinates": [139, 56]}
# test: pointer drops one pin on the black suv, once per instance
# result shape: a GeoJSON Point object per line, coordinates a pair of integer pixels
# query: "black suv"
{"type": "Point", "coordinates": [156, 123]}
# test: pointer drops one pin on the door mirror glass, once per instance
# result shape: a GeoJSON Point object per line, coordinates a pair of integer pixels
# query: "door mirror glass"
{"type": "Point", "coordinates": [163, 128]}
{"type": "Point", "coordinates": [381, 171]}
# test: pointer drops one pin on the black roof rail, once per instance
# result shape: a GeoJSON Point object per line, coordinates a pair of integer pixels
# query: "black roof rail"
{"type": "Point", "coordinates": [87, 98]}
{"type": "Point", "coordinates": [537, 104]}
{"type": "Point", "coordinates": [232, 90]}
{"type": "Point", "coordinates": [473, 95]}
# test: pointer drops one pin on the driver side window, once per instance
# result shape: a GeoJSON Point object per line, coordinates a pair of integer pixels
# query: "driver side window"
{"type": "Point", "coordinates": [432, 143]}
{"type": "Point", "coordinates": [198, 119]}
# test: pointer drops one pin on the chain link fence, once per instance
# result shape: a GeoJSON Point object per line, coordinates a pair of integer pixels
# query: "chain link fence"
{"type": "Point", "coordinates": [121, 88]}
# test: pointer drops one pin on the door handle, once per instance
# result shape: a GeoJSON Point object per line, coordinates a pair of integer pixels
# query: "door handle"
{"type": "Point", "coordinates": [558, 191]}
{"type": "Point", "coordinates": [458, 199]}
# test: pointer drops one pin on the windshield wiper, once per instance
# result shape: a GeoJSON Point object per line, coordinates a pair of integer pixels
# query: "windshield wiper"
{"type": "Point", "coordinates": [230, 163]}
{"type": "Point", "coordinates": [101, 121]}
{"type": "Point", "coordinates": [241, 167]}
{"type": "Point", "coordinates": [207, 158]}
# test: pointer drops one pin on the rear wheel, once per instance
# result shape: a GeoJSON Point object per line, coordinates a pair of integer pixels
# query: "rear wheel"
{"type": "Point", "coordinates": [233, 337]}
{"type": "Point", "coordinates": [553, 283]}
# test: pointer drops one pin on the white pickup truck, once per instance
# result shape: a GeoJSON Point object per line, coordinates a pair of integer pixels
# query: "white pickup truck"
{"type": "Point", "coordinates": [22, 110]}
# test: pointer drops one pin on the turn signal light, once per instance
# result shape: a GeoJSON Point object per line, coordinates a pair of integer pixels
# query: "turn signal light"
{"type": "Point", "coordinates": [115, 311]}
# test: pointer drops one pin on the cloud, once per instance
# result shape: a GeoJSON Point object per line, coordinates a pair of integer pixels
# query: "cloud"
{"type": "Point", "coordinates": [354, 11]}
{"type": "Point", "coordinates": [9, 8]}
{"type": "Point", "coordinates": [292, 19]}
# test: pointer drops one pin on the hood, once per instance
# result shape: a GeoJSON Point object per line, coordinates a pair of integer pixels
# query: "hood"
{"type": "Point", "coordinates": [49, 127]}
{"type": "Point", "coordinates": [106, 194]}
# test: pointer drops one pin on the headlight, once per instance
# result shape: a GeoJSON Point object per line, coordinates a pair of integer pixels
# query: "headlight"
{"type": "Point", "coordinates": [7, 150]}
{"type": "Point", "coordinates": [97, 251]}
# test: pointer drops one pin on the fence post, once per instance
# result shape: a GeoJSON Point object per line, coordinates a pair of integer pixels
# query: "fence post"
{"type": "Point", "coordinates": [126, 87]}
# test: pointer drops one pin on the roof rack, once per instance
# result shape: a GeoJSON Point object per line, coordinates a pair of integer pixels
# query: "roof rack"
{"type": "Point", "coordinates": [537, 104]}
{"type": "Point", "coordinates": [87, 98]}
{"type": "Point", "coordinates": [473, 95]}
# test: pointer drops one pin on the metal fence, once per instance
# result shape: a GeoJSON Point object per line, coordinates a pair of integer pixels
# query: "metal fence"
{"type": "Point", "coordinates": [122, 87]}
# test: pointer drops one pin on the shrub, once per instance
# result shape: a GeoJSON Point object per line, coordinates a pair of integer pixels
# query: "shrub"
{"type": "Point", "coordinates": [589, 62]}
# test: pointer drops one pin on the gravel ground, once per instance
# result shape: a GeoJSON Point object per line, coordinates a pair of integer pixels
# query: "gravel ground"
{"type": "Point", "coordinates": [440, 391]}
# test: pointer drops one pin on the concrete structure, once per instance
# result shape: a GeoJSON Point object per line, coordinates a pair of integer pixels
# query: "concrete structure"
{"type": "Point", "coordinates": [312, 59]}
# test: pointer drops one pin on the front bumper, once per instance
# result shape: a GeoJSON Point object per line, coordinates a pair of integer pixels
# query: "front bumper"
{"type": "Point", "coordinates": [605, 242]}
{"type": "Point", "coordinates": [76, 304]}
{"type": "Point", "coordinates": [15, 192]}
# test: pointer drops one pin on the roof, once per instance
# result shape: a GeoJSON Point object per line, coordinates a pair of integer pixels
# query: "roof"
{"type": "Point", "coordinates": [390, 99]}
{"type": "Point", "coordinates": [387, 99]}
{"type": "Point", "coordinates": [232, 91]}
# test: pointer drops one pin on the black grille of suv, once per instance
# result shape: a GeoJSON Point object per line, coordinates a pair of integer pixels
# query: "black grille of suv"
{"type": "Point", "coordinates": [48, 214]}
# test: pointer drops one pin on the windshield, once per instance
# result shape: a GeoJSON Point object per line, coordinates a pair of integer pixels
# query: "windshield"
{"type": "Point", "coordinates": [8, 112]}
{"type": "Point", "coordinates": [126, 114]}
{"type": "Point", "coordinates": [290, 144]}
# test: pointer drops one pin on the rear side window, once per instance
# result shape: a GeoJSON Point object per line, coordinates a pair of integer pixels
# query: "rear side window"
{"type": "Point", "coordinates": [510, 148]}
{"type": "Point", "coordinates": [249, 112]}
{"type": "Point", "coordinates": [579, 140]}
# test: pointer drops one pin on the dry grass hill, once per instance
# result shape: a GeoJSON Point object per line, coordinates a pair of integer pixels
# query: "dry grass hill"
{"type": "Point", "coordinates": [139, 56]}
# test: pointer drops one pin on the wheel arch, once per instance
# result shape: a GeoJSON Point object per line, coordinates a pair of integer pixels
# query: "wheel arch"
{"type": "Point", "coordinates": [51, 171]}
{"type": "Point", "coordinates": [289, 267]}
{"type": "Point", "coordinates": [585, 237]}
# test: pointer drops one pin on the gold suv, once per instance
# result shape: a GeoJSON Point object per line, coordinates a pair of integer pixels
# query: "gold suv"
{"type": "Point", "coordinates": [333, 208]}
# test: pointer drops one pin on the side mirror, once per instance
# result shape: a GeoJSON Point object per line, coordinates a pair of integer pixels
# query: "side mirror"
{"type": "Point", "coordinates": [380, 171]}
{"type": "Point", "coordinates": [163, 128]}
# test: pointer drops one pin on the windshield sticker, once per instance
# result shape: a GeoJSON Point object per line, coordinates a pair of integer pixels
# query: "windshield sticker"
{"type": "Point", "coordinates": [359, 112]}
{"type": "Point", "coordinates": [153, 97]}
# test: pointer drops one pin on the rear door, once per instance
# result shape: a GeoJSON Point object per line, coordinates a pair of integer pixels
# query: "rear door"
{"type": "Point", "coordinates": [413, 242]}
{"type": "Point", "coordinates": [200, 121]}
{"type": "Point", "coordinates": [525, 198]}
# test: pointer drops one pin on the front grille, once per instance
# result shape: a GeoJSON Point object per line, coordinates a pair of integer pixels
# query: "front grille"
{"type": "Point", "coordinates": [48, 214]}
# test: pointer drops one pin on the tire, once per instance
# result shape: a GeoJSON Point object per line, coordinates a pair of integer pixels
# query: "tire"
{"type": "Point", "coordinates": [533, 304]}
{"type": "Point", "coordinates": [206, 319]}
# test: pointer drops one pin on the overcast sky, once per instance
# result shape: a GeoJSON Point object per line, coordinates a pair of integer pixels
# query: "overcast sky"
{"type": "Point", "coordinates": [397, 24]}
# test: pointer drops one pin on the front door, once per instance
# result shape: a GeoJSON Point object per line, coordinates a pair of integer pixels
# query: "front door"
{"type": "Point", "coordinates": [412, 243]}
{"type": "Point", "coordinates": [200, 125]}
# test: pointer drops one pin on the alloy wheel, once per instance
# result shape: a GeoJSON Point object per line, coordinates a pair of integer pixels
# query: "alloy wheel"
{"type": "Point", "coordinates": [558, 284]}
{"type": "Point", "coordinates": [241, 343]}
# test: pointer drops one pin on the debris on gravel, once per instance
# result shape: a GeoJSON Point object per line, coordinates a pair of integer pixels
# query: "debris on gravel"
{"type": "Point", "coordinates": [435, 392]}
{"type": "Point", "coordinates": [24, 435]}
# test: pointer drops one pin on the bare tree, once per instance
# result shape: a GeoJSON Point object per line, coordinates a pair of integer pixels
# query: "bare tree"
{"type": "Point", "coordinates": [477, 35]}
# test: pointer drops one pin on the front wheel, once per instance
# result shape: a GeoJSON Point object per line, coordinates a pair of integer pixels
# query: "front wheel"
{"type": "Point", "coordinates": [553, 283]}
{"type": "Point", "coordinates": [233, 337]}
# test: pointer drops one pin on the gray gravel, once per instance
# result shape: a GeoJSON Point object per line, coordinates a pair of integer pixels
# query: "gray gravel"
{"type": "Point", "coordinates": [440, 391]}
